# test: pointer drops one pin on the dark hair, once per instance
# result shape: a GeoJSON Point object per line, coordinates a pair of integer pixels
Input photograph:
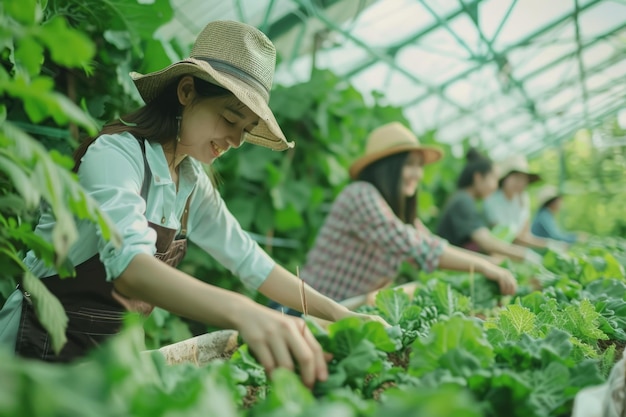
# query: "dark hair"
{"type": "Point", "coordinates": [476, 163]}
{"type": "Point", "coordinates": [550, 201]}
{"type": "Point", "coordinates": [386, 175]}
{"type": "Point", "coordinates": [155, 121]}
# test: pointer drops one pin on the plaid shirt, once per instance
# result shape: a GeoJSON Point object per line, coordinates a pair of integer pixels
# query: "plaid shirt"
{"type": "Point", "coordinates": [362, 244]}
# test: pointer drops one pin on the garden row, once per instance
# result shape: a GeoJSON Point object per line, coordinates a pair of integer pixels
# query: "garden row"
{"type": "Point", "coordinates": [455, 349]}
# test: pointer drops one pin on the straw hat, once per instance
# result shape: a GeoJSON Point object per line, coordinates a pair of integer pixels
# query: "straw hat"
{"type": "Point", "coordinates": [519, 164]}
{"type": "Point", "coordinates": [546, 194]}
{"type": "Point", "coordinates": [390, 139]}
{"type": "Point", "coordinates": [235, 56]}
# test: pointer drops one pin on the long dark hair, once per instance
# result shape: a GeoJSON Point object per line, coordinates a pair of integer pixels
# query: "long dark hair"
{"type": "Point", "coordinates": [155, 121]}
{"type": "Point", "coordinates": [476, 163]}
{"type": "Point", "coordinates": [386, 175]}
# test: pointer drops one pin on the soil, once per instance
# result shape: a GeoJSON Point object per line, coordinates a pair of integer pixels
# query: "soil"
{"type": "Point", "coordinates": [400, 359]}
{"type": "Point", "coordinates": [383, 387]}
{"type": "Point", "coordinates": [252, 396]}
{"type": "Point", "coordinates": [619, 347]}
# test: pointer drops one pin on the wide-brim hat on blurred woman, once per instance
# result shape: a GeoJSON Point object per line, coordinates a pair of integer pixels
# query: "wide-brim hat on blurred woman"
{"type": "Point", "coordinates": [519, 164]}
{"type": "Point", "coordinates": [546, 195]}
{"type": "Point", "coordinates": [237, 57]}
{"type": "Point", "coordinates": [391, 139]}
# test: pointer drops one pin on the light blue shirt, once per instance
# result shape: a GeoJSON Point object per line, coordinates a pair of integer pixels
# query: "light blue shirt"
{"type": "Point", "coordinates": [507, 216]}
{"type": "Point", "coordinates": [112, 173]}
{"type": "Point", "coordinates": [545, 225]}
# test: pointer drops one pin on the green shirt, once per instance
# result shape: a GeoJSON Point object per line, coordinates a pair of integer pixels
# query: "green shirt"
{"type": "Point", "coordinates": [460, 218]}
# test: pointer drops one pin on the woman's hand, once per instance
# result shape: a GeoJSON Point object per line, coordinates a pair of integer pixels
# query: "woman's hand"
{"type": "Point", "coordinates": [504, 278]}
{"type": "Point", "coordinates": [277, 340]}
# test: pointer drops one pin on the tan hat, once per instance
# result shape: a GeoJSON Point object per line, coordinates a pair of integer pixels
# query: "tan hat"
{"type": "Point", "coordinates": [519, 164]}
{"type": "Point", "coordinates": [391, 139]}
{"type": "Point", "coordinates": [547, 193]}
{"type": "Point", "coordinates": [235, 56]}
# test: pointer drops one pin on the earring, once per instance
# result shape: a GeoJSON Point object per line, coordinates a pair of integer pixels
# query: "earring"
{"type": "Point", "coordinates": [178, 118]}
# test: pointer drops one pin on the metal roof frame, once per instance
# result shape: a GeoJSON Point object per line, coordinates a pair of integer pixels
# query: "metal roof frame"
{"type": "Point", "coordinates": [302, 20]}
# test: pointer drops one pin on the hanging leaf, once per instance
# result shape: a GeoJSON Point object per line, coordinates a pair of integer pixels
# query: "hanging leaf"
{"type": "Point", "coordinates": [49, 310]}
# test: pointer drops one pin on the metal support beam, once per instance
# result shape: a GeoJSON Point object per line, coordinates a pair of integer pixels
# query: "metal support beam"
{"type": "Point", "coordinates": [504, 19]}
{"type": "Point", "coordinates": [266, 17]}
{"type": "Point", "coordinates": [501, 60]}
{"type": "Point", "coordinates": [541, 70]}
{"type": "Point", "coordinates": [392, 50]}
{"type": "Point", "coordinates": [518, 44]}
{"type": "Point", "coordinates": [381, 57]}
{"type": "Point", "coordinates": [289, 21]}
{"type": "Point", "coordinates": [579, 59]}
{"type": "Point", "coordinates": [596, 119]}
{"type": "Point", "coordinates": [444, 23]}
{"type": "Point", "coordinates": [239, 9]}
{"type": "Point", "coordinates": [561, 109]}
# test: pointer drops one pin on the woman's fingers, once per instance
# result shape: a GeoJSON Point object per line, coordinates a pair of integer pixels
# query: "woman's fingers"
{"type": "Point", "coordinates": [279, 341]}
{"type": "Point", "coordinates": [508, 285]}
{"type": "Point", "coordinates": [280, 351]}
{"type": "Point", "coordinates": [308, 353]}
{"type": "Point", "coordinates": [264, 355]}
{"type": "Point", "coordinates": [320, 357]}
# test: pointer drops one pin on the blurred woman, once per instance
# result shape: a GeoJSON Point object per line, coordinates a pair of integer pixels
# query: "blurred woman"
{"type": "Point", "coordinates": [545, 224]}
{"type": "Point", "coordinates": [508, 209]}
{"type": "Point", "coordinates": [462, 224]}
{"type": "Point", "coordinates": [373, 227]}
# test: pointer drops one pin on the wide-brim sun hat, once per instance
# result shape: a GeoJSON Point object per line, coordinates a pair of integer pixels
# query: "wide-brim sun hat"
{"type": "Point", "coordinates": [390, 139]}
{"type": "Point", "coordinates": [519, 164]}
{"type": "Point", "coordinates": [237, 57]}
{"type": "Point", "coordinates": [546, 194]}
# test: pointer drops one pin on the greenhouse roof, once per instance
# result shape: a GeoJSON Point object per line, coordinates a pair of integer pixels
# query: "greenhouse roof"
{"type": "Point", "coordinates": [512, 75]}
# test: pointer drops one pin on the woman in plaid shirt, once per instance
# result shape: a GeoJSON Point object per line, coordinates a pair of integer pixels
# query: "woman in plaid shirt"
{"type": "Point", "coordinates": [372, 226]}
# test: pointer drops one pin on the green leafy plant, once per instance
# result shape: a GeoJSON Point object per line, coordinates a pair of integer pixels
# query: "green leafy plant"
{"type": "Point", "coordinates": [28, 173]}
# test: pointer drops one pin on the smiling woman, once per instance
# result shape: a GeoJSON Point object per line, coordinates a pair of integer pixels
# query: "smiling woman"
{"type": "Point", "coordinates": [145, 172]}
{"type": "Point", "coordinates": [373, 225]}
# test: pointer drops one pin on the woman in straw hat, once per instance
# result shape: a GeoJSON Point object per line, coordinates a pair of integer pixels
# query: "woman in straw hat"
{"type": "Point", "coordinates": [373, 227]}
{"type": "Point", "coordinates": [508, 209]}
{"type": "Point", "coordinates": [545, 224]}
{"type": "Point", "coordinates": [462, 223]}
{"type": "Point", "coordinates": [145, 172]}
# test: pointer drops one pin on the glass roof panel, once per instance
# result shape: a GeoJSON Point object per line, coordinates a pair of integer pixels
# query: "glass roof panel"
{"type": "Point", "coordinates": [559, 73]}
{"type": "Point", "coordinates": [407, 89]}
{"type": "Point", "coordinates": [525, 62]}
{"type": "Point", "coordinates": [597, 53]}
{"type": "Point", "coordinates": [600, 17]}
{"type": "Point", "coordinates": [391, 21]}
{"type": "Point", "coordinates": [512, 124]}
{"type": "Point", "coordinates": [452, 133]}
{"type": "Point", "coordinates": [604, 78]}
{"type": "Point", "coordinates": [490, 77]}
{"type": "Point", "coordinates": [527, 16]}
{"type": "Point", "coordinates": [429, 64]}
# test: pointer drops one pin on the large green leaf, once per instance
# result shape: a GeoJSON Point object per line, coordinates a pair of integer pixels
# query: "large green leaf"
{"type": "Point", "coordinates": [130, 15]}
{"type": "Point", "coordinates": [456, 333]}
{"type": "Point", "coordinates": [49, 310]}
{"type": "Point", "coordinates": [392, 304]}
{"type": "Point", "coordinates": [68, 47]}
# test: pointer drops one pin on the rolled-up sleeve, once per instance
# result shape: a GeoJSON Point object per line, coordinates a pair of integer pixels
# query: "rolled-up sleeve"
{"type": "Point", "coordinates": [375, 222]}
{"type": "Point", "coordinates": [112, 172]}
{"type": "Point", "coordinates": [214, 229]}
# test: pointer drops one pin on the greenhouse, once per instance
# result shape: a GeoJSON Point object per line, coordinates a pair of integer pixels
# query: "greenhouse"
{"type": "Point", "coordinates": [357, 208]}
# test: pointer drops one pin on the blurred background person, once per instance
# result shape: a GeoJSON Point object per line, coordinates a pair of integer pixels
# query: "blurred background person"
{"type": "Point", "coordinates": [461, 221]}
{"type": "Point", "coordinates": [545, 223]}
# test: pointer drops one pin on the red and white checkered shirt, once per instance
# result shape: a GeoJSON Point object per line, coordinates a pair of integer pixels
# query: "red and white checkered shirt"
{"type": "Point", "coordinates": [362, 244]}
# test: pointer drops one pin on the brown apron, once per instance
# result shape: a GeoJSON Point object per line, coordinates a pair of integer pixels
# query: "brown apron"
{"type": "Point", "coordinates": [94, 309]}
